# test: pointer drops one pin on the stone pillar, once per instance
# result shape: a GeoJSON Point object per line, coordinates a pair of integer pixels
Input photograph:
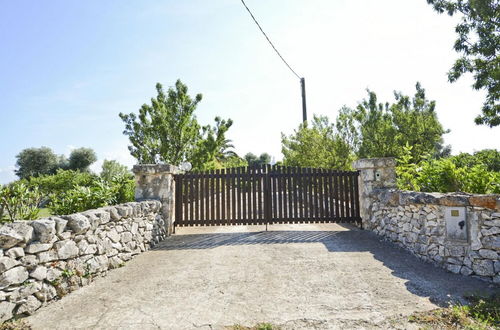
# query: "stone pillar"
{"type": "Point", "coordinates": [374, 173]}
{"type": "Point", "coordinates": [156, 181]}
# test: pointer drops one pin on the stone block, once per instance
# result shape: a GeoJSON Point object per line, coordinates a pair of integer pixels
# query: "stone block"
{"type": "Point", "coordinates": [483, 267]}
{"type": "Point", "coordinates": [17, 252]}
{"type": "Point", "coordinates": [488, 254]}
{"type": "Point", "coordinates": [16, 275]}
{"type": "Point", "coordinates": [7, 263]}
{"type": "Point", "coordinates": [36, 247]}
{"type": "Point", "coordinates": [40, 273]}
{"type": "Point", "coordinates": [30, 306]}
{"type": "Point", "coordinates": [486, 201]}
{"type": "Point", "coordinates": [44, 230]}
{"type": "Point", "coordinates": [66, 249]}
{"type": "Point", "coordinates": [6, 310]}
{"type": "Point", "coordinates": [78, 223]}
{"type": "Point", "coordinates": [15, 233]}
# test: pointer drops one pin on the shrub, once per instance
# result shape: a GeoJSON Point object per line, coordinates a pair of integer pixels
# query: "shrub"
{"type": "Point", "coordinates": [457, 173]}
{"type": "Point", "coordinates": [82, 198]}
{"type": "Point", "coordinates": [19, 201]}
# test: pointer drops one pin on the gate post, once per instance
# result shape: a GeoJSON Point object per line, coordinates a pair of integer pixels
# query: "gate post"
{"type": "Point", "coordinates": [156, 181]}
{"type": "Point", "coordinates": [375, 173]}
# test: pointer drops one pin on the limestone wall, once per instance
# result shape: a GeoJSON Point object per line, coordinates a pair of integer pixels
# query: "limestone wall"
{"type": "Point", "coordinates": [465, 242]}
{"type": "Point", "coordinates": [45, 259]}
{"type": "Point", "coordinates": [417, 222]}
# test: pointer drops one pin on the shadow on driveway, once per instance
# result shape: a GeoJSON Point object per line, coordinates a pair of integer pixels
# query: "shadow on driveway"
{"type": "Point", "coordinates": [422, 278]}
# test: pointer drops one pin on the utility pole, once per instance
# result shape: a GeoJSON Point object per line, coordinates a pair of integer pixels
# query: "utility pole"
{"type": "Point", "coordinates": [304, 108]}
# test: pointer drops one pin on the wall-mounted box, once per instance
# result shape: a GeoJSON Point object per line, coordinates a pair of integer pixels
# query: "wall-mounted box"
{"type": "Point", "coordinates": [456, 223]}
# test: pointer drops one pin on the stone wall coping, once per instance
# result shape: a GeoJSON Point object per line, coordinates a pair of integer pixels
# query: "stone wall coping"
{"type": "Point", "coordinates": [405, 197]}
{"type": "Point", "coordinates": [155, 169]}
{"type": "Point", "coordinates": [367, 163]}
{"type": "Point", "coordinates": [26, 231]}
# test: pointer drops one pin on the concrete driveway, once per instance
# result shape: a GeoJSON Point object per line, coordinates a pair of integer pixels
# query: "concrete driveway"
{"type": "Point", "coordinates": [296, 276]}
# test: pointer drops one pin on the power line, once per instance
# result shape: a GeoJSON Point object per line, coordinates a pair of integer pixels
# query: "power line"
{"type": "Point", "coordinates": [265, 35]}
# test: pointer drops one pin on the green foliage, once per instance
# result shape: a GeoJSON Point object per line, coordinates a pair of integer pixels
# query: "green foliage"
{"type": "Point", "coordinates": [82, 198]}
{"type": "Point", "coordinates": [487, 157]}
{"type": "Point", "coordinates": [166, 130]}
{"type": "Point", "coordinates": [123, 188]}
{"type": "Point", "coordinates": [382, 129]}
{"type": "Point", "coordinates": [112, 169]}
{"type": "Point", "coordinates": [316, 146]}
{"type": "Point", "coordinates": [481, 314]}
{"type": "Point", "coordinates": [234, 161]}
{"type": "Point", "coordinates": [18, 201]}
{"type": "Point", "coordinates": [62, 181]}
{"type": "Point", "coordinates": [444, 175]}
{"type": "Point", "coordinates": [478, 42]}
{"type": "Point", "coordinates": [81, 158]}
{"type": "Point", "coordinates": [253, 160]}
{"type": "Point", "coordinates": [74, 191]}
{"type": "Point", "coordinates": [35, 162]}
{"type": "Point", "coordinates": [213, 148]}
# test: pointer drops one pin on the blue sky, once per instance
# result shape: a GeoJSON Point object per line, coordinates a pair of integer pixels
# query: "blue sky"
{"type": "Point", "coordinates": [67, 68]}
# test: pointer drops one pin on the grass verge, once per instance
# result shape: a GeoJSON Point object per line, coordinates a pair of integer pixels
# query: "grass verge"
{"type": "Point", "coordinates": [483, 313]}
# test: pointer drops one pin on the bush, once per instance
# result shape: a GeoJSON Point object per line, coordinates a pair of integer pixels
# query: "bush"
{"type": "Point", "coordinates": [82, 198]}
{"type": "Point", "coordinates": [18, 201]}
{"type": "Point", "coordinates": [458, 173]}
{"type": "Point", "coordinates": [62, 181]}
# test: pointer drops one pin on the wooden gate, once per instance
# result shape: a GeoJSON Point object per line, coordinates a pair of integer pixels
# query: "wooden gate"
{"type": "Point", "coordinates": [270, 194]}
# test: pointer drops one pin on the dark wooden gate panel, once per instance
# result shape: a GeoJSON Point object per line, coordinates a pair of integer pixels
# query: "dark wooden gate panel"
{"type": "Point", "coordinates": [270, 194]}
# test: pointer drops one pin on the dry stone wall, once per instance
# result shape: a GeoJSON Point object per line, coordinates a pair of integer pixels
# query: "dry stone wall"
{"type": "Point", "coordinates": [423, 222]}
{"type": "Point", "coordinates": [45, 259]}
{"type": "Point", "coordinates": [416, 221]}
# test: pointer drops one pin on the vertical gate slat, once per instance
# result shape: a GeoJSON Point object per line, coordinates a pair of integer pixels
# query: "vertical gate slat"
{"type": "Point", "coordinates": [223, 195]}
{"type": "Point", "coordinates": [284, 179]}
{"type": "Point", "coordinates": [299, 190]}
{"type": "Point", "coordinates": [346, 194]}
{"type": "Point", "coordinates": [206, 178]}
{"type": "Point", "coordinates": [211, 195]}
{"type": "Point", "coordinates": [295, 197]}
{"type": "Point", "coordinates": [274, 192]}
{"type": "Point", "coordinates": [217, 197]}
{"type": "Point", "coordinates": [185, 199]}
{"type": "Point", "coordinates": [178, 201]}
{"type": "Point", "coordinates": [325, 195]}
{"type": "Point", "coordinates": [307, 210]}
{"type": "Point", "coordinates": [336, 194]}
{"type": "Point", "coordinates": [309, 194]}
{"type": "Point", "coordinates": [356, 195]}
{"type": "Point", "coordinates": [261, 193]}
{"type": "Point", "coordinates": [280, 194]}
{"type": "Point", "coordinates": [321, 194]}
{"type": "Point", "coordinates": [244, 196]}
{"type": "Point", "coordinates": [228, 197]}
{"type": "Point", "coordinates": [233, 196]}
{"type": "Point", "coordinates": [351, 195]}
{"type": "Point", "coordinates": [331, 196]}
{"type": "Point", "coordinates": [238, 195]}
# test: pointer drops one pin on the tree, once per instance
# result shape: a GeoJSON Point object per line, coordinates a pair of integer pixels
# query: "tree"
{"type": "Point", "coordinates": [80, 159]}
{"type": "Point", "coordinates": [383, 129]}
{"type": "Point", "coordinates": [213, 148]}
{"type": "Point", "coordinates": [253, 160]}
{"type": "Point", "coordinates": [166, 130]}
{"type": "Point", "coordinates": [111, 169]}
{"type": "Point", "coordinates": [316, 146]}
{"type": "Point", "coordinates": [36, 161]}
{"type": "Point", "coordinates": [479, 43]}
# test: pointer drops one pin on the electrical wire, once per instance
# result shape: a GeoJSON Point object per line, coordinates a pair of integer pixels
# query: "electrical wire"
{"type": "Point", "coordinates": [265, 35]}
